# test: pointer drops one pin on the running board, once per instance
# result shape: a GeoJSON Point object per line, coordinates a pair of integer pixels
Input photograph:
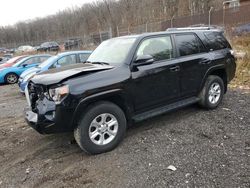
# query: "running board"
{"type": "Point", "coordinates": [164, 109]}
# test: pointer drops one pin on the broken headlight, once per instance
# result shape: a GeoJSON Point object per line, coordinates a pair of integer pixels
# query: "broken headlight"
{"type": "Point", "coordinates": [59, 93]}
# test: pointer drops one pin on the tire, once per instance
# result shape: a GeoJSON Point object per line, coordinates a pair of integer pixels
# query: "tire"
{"type": "Point", "coordinates": [94, 117]}
{"type": "Point", "coordinates": [212, 92]}
{"type": "Point", "coordinates": [11, 78]}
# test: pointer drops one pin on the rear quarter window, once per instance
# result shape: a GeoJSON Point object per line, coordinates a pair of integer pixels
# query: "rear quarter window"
{"type": "Point", "coordinates": [216, 41]}
{"type": "Point", "coordinates": [189, 44]}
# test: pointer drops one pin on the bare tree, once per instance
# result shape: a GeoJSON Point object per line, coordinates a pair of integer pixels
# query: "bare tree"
{"type": "Point", "coordinates": [100, 15]}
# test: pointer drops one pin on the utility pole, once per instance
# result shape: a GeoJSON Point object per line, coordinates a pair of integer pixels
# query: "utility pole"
{"type": "Point", "coordinates": [209, 17]}
{"type": "Point", "coordinates": [172, 21]}
{"type": "Point", "coordinates": [224, 3]}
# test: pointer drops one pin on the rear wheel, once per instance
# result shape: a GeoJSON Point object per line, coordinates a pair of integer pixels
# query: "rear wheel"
{"type": "Point", "coordinates": [212, 92]}
{"type": "Point", "coordinates": [101, 128]}
{"type": "Point", "coordinates": [11, 78]}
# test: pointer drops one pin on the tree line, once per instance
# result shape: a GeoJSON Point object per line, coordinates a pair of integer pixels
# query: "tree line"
{"type": "Point", "coordinates": [101, 15]}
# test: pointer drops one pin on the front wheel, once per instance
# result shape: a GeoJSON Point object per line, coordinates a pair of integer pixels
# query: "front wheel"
{"type": "Point", "coordinates": [212, 92]}
{"type": "Point", "coordinates": [101, 128]}
{"type": "Point", "coordinates": [11, 78]}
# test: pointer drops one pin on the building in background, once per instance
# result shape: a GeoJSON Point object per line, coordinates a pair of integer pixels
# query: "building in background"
{"type": "Point", "coordinates": [235, 3]}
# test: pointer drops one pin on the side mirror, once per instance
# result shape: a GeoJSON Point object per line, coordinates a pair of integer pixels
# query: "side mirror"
{"type": "Point", "coordinates": [144, 60]}
{"type": "Point", "coordinates": [24, 65]}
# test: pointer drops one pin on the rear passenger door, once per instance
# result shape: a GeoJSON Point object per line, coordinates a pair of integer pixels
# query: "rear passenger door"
{"type": "Point", "coordinates": [194, 61]}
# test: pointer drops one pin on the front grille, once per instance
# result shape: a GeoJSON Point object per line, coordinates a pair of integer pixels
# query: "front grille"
{"type": "Point", "coordinates": [36, 92]}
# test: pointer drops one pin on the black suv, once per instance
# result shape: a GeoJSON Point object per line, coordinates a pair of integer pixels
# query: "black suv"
{"type": "Point", "coordinates": [129, 79]}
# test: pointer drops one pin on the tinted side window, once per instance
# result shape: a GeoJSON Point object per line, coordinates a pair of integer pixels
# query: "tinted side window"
{"type": "Point", "coordinates": [83, 57]}
{"type": "Point", "coordinates": [188, 44]}
{"type": "Point", "coordinates": [216, 40]}
{"type": "Point", "coordinates": [159, 47]}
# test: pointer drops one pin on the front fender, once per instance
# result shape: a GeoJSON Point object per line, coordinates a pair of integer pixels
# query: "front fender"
{"type": "Point", "coordinates": [14, 70]}
{"type": "Point", "coordinates": [3, 73]}
{"type": "Point", "coordinates": [2, 78]}
{"type": "Point", "coordinates": [101, 96]}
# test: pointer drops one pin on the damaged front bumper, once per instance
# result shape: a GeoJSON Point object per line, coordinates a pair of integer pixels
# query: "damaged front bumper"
{"type": "Point", "coordinates": [44, 120]}
{"type": "Point", "coordinates": [43, 127]}
{"type": "Point", "coordinates": [48, 117]}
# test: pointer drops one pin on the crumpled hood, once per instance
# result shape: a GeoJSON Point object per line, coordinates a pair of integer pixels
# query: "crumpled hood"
{"type": "Point", "coordinates": [57, 75]}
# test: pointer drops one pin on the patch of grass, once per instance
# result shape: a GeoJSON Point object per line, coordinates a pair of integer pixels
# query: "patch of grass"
{"type": "Point", "coordinates": [242, 76]}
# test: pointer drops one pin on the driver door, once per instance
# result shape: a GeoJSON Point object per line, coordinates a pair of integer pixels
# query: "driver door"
{"type": "Point", "coordinates": [156, 84]}
{"type": "Point", "coordinates": [29, 63]}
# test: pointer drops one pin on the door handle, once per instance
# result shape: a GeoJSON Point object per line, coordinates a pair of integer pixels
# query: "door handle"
{"type": "Point", "coordinates": [205, 61]}
{"type": "Point", "coordinates": [175, 68]}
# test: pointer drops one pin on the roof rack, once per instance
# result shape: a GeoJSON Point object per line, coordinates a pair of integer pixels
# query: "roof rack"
{"type": "Point", "coordinates": [190, 28]}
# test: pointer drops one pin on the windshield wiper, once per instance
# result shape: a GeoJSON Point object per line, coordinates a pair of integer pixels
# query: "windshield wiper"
{"type": "Point", "coordinates": [98, 62]}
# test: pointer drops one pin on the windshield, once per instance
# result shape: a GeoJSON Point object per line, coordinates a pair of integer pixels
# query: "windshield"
{"type": "Point", "coordinates": [112, 51]}
{"type": "Point", "coordinates": [48, 62]}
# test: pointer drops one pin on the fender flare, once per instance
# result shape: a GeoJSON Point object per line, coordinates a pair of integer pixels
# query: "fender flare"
{"type": "Point", "coordinates": [99, 97]}
{"type": "Point", "coordinates": [209, 71]}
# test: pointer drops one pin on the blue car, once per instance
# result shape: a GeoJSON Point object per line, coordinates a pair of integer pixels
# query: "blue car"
{"type": "Point", "coordinates": [60, 60]}
{"type": "Point", "coordinates": [10, 75]}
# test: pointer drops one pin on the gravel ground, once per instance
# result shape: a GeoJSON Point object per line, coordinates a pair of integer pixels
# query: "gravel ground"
{"type": "Point", "coordinates": [208, 149]}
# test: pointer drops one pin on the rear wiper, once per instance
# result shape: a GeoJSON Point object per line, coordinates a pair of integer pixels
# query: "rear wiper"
{"type": "Point", "coordinates": [98, 62]}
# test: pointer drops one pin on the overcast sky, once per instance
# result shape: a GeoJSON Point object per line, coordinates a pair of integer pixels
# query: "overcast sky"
{"type": "Point", "coordinates": [13, 11]}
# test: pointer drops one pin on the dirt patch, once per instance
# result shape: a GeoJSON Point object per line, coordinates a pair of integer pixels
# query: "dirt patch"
{"type": "Point", "coordinates": [208, 148]}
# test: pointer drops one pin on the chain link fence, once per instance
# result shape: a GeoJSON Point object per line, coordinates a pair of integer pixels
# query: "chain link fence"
{"type": "Point", "coordinates": [229, 18]}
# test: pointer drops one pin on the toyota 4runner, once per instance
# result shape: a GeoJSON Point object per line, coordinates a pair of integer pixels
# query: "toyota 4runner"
{"type": "Point", "coordinates": [129, 79]}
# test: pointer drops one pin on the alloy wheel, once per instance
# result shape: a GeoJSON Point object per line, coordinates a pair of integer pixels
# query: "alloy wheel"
{"type": "Point", "coordinates": [11, 79]}
{"type": "Point", "coordinates": [214, 93]}
{"type": "Point", "coordinates": [103, 129]}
